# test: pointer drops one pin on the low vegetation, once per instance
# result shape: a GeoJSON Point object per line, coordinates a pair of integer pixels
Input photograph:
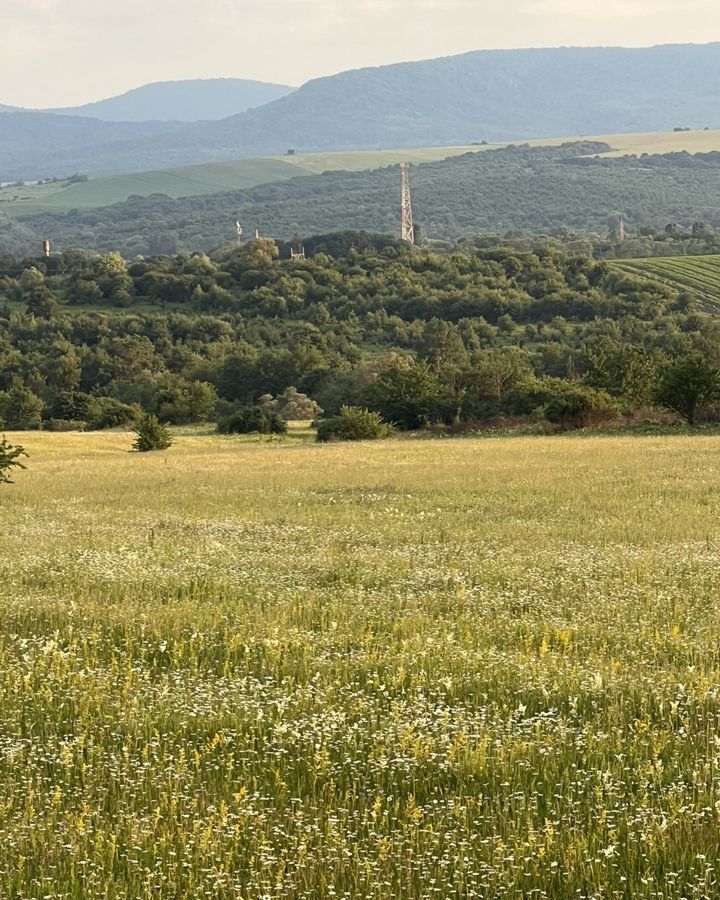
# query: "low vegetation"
{"type": "Point", "coordinates": [10, 458]}
{"type": "Point", "coordinates": [252, 420]}
{"type": "Point", "coordinates": [353, 424]}
{"type": "Point", "coordinates": [398, 669]}
{"type": "Point", "coordinates": [150, 434]}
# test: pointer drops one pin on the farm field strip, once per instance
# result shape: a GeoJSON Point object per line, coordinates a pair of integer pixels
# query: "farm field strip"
{"type": "Point", "coordinates": [698, 274]}
{"type": "Point", "coordinates": [249, 668]}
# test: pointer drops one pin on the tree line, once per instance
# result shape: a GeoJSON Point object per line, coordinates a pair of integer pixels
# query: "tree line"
{"type": "Point", "coordinates": [421, 338]}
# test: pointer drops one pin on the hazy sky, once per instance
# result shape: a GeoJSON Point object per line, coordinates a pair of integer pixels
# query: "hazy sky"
{"type": "Point", "coordinates": [65, 52]}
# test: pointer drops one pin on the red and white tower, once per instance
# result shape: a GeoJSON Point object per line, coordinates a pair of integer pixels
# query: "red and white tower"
{"type": "Point", "coordinates": [408, 229]}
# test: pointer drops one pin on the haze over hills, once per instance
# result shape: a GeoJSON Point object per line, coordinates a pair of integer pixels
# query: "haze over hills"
{"type": "Point", "coordinates": [182, 101]}
{"type": "Point", "coordinates": [39, 145]}
{"type": "Point", "coordinates": [497, 95]}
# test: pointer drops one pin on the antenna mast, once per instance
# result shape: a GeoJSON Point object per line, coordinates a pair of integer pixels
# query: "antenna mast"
{"type": "Point", "coordinates": [621, 229]}
{"type": "Point", "coordinates": [408, 229]}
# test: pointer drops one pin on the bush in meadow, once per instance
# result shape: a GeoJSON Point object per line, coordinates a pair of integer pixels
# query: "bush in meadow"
{"type": "Point", "coordinates": [151, 435]}
{"type": "Point", "coordinates": [353, 424]}
{"type": "Point", "coordinates": [252, 420]}
{"type": "Point", "coordinates": [9, 459]}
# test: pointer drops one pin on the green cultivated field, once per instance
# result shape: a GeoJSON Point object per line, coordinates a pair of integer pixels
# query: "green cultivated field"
{"type": "Point", "coordinates": [698, 275]}
{"type": "Point", "coordinates": [205, 179]}
{"type": "Point", "coordinates": [410, 669]}
{"type": "Point", "coordinates": [241, 174]}
{"type": "Point", "coordinates": [182, 182]}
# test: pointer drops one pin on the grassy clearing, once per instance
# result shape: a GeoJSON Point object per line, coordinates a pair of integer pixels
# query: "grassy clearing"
{"type": "Point", "coordinates": [409, 669]}
{"type": "Point", "coordinates": [698, 275]}
{"type": "Point", "coordinates": [242, 174]}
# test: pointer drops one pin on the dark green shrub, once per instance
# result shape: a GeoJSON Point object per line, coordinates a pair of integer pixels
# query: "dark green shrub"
{"type": "Point", "coordinates": [106, 412]}
{"type": "Point", "coordinates": [9, 459]}
{"type": "Point", "coordinates": [353, 424]}
{"type": "Point", "coordinates": [181, 402]}
{"type": "Point", "coordinates": [252, 420]}
{"type": "Point", "coordinates": [65, 425]}
{"type": "Point", "coordinates": [688, 384]}
{"type": "Point", "coordinates": [406, 393]}
{"type": "Point", "coordinates": [151, 435]}
{"type": "Point", "coordinates": [20, 409]}
{"type": "Point", "coordinates": [572, 405]}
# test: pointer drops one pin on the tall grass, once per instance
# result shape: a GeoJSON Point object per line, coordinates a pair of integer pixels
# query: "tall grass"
{"type": "Point", "coordinates": [250, 669]}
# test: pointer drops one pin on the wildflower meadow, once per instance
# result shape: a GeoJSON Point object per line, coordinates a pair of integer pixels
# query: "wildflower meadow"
{"type": "Point", "coordinates": [264, 668]}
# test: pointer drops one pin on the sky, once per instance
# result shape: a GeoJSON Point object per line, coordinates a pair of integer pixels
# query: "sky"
{"type": "Point", "coordinates": [69, 52]}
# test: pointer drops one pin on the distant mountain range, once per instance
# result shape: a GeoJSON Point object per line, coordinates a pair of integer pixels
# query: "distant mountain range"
{"type": "Point", "coordinates": [497, 95]}
{"type": "Point", "coordinates": [181, 101]}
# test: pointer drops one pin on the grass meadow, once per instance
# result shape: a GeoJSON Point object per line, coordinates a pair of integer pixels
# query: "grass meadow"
{"type": "Point", "coordinates": [468, 668]}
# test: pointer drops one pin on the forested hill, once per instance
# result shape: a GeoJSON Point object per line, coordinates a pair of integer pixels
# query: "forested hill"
{"type": "Point", "coordinates": [182, 101]}
{"type": "Point", "coordinates": [418, 336]}
{"type": "Point", "coordinates": [494, 95]}
{"type": "Point", "coordinates": [36, 145]}
{"type": "Point", "coordinates": [521, 190]}
{"type": "Point", "coordinates": [489, 95]}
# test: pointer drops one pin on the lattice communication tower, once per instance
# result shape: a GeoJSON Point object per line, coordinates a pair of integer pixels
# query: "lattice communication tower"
{"type": "Point", "coordinates": [408, 229]}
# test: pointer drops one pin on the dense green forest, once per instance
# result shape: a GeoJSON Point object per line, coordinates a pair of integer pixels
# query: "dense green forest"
{"type": "Point", "coordinates": [520, 190]}
{"type": "Point", "coordinates": [417, 336]}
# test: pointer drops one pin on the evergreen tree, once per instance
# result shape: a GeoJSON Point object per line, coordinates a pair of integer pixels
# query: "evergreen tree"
{"type": "Point", "coordinates": [151, 435]}
{"type": "Point", "coordinates": [9, 459]}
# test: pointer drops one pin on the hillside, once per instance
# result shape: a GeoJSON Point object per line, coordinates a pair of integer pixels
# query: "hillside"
{"type": "Point", "coordinates": [26, 200]}
{"type": "Point", "coordinates": [528, 190]}
{"type": "Point", "coordinates": [41, 145]}
{"type": "Point", "coordinates": [211, 178]}
{"type": "Point", "coordinates": [495, 95]}
{"type": "Point", "coordinates": [84, 335]}
{"type": "Point", "coordinates": [182, 101]}
{"type": "Point", "coordinates": [486, 95]}
{"type": "Point", "coordinates": [697, 276]}
{"type": "Point", "coordinates": [186, 181]}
